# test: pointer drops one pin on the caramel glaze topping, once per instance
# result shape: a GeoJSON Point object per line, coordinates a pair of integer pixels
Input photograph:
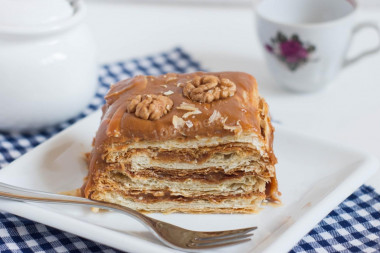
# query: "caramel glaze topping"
{"type": "Point", "coordinates": [119, 126]}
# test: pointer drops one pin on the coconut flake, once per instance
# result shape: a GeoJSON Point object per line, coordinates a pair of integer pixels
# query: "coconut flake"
{"type": "Point", "coordinates": [236, 129]}
{"type": "Point", "coordinates": [168, 93]}
{"type": "Point", "coordinates": [214, 116]}
{"type": "Point", "coordinates": [164, 85]}
{"type": "Point", "coordinates": [187, 107]}
{"type": "Point", "coordinates": [191, 113]}
{"type": "Point", "coordinates": [245, 97]}
{"type": "Point", "coordinates": [189, 124]}
{"type": "Point", "coordinates": [192, 110]}
{"type": "Point", "coordinates": [178, 122]}
{"type": "Point", "coordinates": [171, 78]}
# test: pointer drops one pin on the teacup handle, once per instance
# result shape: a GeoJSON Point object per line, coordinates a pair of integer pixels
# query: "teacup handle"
{"type": "Point", "coordinates": [356, 29]}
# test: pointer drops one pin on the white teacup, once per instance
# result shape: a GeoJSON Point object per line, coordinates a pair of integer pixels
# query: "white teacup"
{"type": "Point", "coordinates": [306, 41]}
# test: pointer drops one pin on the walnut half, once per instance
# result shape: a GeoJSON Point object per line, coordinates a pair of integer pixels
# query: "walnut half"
{"type": "Point", "coordinates": [151, 107]}
{"type": "Point", "coordinates": [209, 88]}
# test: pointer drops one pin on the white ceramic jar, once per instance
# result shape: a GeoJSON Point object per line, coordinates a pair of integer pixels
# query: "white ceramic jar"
{"type": "Point", "coordinates": [48, 66]}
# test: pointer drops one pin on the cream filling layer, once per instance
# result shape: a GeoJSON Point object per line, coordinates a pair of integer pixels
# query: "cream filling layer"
{"type": "Point", "coordinates": [234, 205]}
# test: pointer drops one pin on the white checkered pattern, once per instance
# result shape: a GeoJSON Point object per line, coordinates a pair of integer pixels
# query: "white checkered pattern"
{"type": "Point", "coordinates": [354, 226]}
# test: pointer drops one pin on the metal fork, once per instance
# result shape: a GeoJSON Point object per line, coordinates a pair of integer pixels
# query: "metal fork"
{"type": "Point", "coordinates": [171, 235]}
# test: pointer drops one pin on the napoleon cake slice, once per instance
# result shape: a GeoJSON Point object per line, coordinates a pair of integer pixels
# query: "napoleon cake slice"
{"type": "Point", "coordinates": [193, 143]}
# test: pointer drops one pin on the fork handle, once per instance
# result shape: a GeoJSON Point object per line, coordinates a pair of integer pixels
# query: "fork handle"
{"type": "Point", "coordinates": [15, 193]}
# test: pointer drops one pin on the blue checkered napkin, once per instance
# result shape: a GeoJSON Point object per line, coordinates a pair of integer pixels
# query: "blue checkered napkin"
{"type": "Point", "coordinates": [21, 235]}
{"type": "Point", "coordinates": [353, 226]}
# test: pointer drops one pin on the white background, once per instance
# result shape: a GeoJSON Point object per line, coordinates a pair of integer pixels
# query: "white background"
{"type": "Point", "coordinates": [223, 37]}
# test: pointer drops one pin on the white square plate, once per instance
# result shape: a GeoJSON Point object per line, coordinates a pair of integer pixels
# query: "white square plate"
{"type": "Point", "coordinates": [314, 177]}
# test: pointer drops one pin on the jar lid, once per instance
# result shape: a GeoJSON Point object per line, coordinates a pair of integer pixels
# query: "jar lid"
{"type": "Point", "coordinates": [27, 13]}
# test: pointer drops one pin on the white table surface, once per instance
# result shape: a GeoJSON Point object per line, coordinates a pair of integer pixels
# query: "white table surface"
{"type": "Point", "coordinates": [223, 37]}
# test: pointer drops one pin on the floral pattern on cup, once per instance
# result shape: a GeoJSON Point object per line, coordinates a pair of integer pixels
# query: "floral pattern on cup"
{"type": "Point", "coordinates": [290, 50]}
